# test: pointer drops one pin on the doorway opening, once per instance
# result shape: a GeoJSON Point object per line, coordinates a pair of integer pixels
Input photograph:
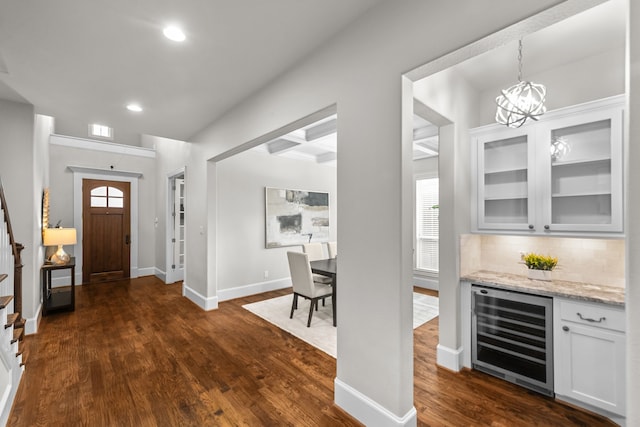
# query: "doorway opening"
{"type": "Point", "coordinates": [176, 232]}
{"type": "Point", "coordinates": [567, 47]}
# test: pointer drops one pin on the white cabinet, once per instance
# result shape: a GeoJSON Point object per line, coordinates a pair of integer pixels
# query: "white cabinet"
{"type": "Point", "coordinates": [589, 355]}
{"type": "Point", "coordinates": [560, 174]}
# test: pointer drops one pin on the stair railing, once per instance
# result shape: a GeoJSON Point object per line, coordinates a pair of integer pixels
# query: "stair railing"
{"type": "Point", "coordinates": [16, 248]}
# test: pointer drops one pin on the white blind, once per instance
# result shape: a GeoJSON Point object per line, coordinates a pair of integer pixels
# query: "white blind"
{"type": "Point", "coordinates": [427, 225]}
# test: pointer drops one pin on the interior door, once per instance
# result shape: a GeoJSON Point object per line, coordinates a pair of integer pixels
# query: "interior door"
{"type": "Point", "coordinates": [106, 230]}
{"type": "Point", "coordinates": [177, 240]}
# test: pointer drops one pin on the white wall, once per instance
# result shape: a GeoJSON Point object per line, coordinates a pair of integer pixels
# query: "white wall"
{"type": "Point", "coordinates": [43, 127]}
{"type": "Point", "coordinates": [242, 256]}
{"type": "Point", "coordinates": [589, 79]}
{"type": "Point", "coordinates": [17, 168]}
{"type": "Point", "coordinates": [61, 191]}
{"type": "Point", "coordinates": [451, 96]}
{"type": "Point", "coordinates": [171, 156]}
{"type": "Point", "coordinates": [81, 130]}
{"type": "Point", "coordinates": [360, 71]}
{"type": "Point", "coordinates": [426, 166]}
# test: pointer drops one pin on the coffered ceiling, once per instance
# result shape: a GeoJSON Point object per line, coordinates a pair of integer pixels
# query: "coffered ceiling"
{"type": "Point", "coordinates": [318, 143]}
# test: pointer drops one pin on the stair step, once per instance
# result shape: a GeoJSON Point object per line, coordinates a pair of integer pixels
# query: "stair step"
{"type": "Point", "coordinates": [20, 348]}
{"type": "Point", "coordinates": [11, 319]}
{"type": "Point", "coordinates": [4, 301]}
{"type": "Point", "coordinates": [18, 334]}
{"type": "Point", "coordinates": [3, 276]}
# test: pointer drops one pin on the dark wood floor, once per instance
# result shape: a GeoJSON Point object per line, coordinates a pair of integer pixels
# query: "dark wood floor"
{"type": "Point", "coordinates": [136, 353]}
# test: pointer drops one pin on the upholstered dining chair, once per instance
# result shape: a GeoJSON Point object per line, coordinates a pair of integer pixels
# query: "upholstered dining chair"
{"type": "Point", "coordinates": [332, 248]}
{"type": "Point", "coordinates": [303, 284]}
{"type": "Point", "coordinates": [315, 252]}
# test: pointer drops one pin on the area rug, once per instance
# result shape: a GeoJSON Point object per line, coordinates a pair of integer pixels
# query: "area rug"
{"type": "Point", "coordinates": [322, 334]}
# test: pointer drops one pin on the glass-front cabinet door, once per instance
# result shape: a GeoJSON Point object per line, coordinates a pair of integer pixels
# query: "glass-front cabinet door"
{"type": "Point", "coordinates": [582, 157]}
{"type": "Point", "coordinates": [505, 190]}
{"type": "Point", "coordinates": [561, 174]}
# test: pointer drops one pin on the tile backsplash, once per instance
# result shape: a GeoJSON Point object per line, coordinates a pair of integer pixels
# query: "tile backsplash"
{"type": "Point", "coordinates": [598, 261]}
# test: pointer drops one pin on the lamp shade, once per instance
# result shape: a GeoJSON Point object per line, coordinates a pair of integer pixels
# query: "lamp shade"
{"type": "Point", "coordinates": [59, 236]}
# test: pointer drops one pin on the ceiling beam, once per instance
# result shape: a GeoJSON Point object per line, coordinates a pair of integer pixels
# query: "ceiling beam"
{"type": "Point", "coordinates": [427, 131]}
{"type": "Point", "coordinates": [281, 145]}
{"type": "Point", "coordinates": [322, 129]}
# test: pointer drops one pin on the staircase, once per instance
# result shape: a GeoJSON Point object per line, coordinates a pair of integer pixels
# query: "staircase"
{"type": "Point", "coordinates": [12, 357]}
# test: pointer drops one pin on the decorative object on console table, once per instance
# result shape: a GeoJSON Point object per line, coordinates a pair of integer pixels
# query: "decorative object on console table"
{"type": "Point", "coordinates": [540, 266]}
{"type": "Point", "coordinates": [60, 237]}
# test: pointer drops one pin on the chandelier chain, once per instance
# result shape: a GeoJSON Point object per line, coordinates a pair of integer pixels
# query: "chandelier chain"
{"type": "Point", "coordinates": [520, 60]}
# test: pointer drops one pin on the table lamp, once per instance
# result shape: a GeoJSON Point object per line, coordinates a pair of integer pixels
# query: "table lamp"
{"type": "Point", "coordinates": [59, 237]}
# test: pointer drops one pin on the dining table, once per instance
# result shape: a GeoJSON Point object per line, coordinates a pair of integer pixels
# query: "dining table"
{"type": "Point", "coordinates": [328, 268]}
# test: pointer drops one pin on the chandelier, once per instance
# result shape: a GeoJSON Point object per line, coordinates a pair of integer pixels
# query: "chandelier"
{"type": "Point", "coordinates": [522, 101]}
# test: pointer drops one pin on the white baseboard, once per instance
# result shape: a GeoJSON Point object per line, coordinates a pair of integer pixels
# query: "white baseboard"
{"type": "Point", "coordinates": [207, 304]}
{"type": "Point", "coordinates": [367, 411]}
{"type": "Point", "coordinates": [253, 289]}
{"type": "Point", "coordinates": [147, 271]}
{"type": "Point", "coordinates": [449, 358]}
{"type": "Point", "coordinates": [426, 283]}
{"type": "Point", "coordinates": [31, 324]}
{"type": "Point", "coordinates": [160, 274]}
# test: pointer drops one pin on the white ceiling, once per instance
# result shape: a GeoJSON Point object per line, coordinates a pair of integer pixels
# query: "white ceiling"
{"type": "Point", "coordinates": [596, 30]}
{"type": "Point", "coordinates": [83, 61]}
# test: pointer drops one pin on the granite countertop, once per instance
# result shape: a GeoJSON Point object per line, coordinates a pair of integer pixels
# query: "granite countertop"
{"type": "Point", "coordinates": [560, 288]}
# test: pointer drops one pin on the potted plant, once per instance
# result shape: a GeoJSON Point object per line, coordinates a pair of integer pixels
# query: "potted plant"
{"type": "Point", "coordinates": [540, 266]}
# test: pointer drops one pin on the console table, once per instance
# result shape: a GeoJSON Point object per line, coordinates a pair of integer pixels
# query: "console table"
{"type": "Point", "coordinates": [59, 298]}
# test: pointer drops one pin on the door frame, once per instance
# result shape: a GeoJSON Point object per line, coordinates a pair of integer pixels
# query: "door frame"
{"type": "Point", "coordinates": [170, 276]}
{"type": "Point", "coordinates": [81, 173]}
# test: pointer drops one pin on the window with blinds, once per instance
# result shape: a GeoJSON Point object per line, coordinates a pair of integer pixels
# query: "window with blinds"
{"type": "Point", "coordinates": [427, 225]}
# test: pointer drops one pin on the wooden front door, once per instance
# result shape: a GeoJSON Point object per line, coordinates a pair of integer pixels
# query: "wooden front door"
{"type": "Point", "coordinates": [106, 230]}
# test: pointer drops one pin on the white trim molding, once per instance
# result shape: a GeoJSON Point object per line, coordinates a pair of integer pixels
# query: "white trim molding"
{"type": "Point", "coordinates": [449, 358]}
{"type": "Point", "coordinates": [253, 289]}
{"type": "Point", "coordinates": [205, 303]}
{"type": "Point", "coordinates": [31, 323]}
{"type": "Point", "coordinates": [367, 411]}
{"type": "Point", "coordinates": [160, 274]}
{"type": "Point", "coordinates": [426, 282]}
{"type": "Point", "coordinates": [94, 145]}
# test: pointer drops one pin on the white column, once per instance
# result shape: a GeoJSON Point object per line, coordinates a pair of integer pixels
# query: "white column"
{"type": "Point", "coordinates": [632, 214]}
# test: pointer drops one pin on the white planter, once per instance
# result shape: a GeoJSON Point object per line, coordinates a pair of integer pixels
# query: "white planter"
{"type": "Point", "coordinates": [540, 274]}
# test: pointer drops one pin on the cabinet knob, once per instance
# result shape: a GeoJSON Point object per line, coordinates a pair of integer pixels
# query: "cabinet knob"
{"type": "Point", "coordinates": [530, 226]}
{"type": "Point", "coordinates": [565, 328]}
{"type": "Point", "coordinates": [546, 227]}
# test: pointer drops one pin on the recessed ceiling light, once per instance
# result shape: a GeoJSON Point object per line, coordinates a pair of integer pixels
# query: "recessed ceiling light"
{"type": "Point", "coordinates": [134, 107]}
{"type": "Point", "coordinates": [174, 33]}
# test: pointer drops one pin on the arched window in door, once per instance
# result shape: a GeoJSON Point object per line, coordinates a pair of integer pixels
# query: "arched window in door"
{"type": "Point", "coordinates": [107, 197]}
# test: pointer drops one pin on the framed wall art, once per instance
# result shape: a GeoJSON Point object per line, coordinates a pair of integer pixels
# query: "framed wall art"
{"type": "Point", "coordinates": [294, 217]}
